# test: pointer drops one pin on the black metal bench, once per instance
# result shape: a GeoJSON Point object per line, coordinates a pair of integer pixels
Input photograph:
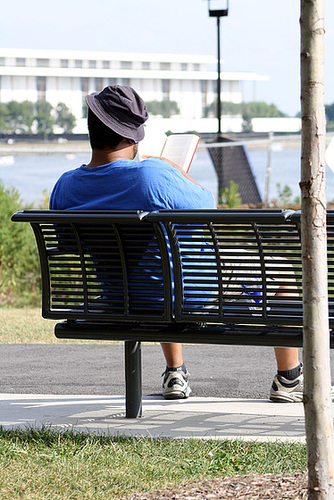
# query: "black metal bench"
{"type": "Point", "coordinates": [189, 276]}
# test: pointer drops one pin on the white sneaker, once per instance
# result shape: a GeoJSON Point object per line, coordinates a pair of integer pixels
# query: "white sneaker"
{"type": "Point", "coordinates": [175, 385]}
{"type": "Point", "coordinates": [287, 391]}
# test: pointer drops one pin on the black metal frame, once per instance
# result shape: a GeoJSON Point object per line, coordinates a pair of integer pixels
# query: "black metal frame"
{"type": "Point", "coordinates": [178, 237]}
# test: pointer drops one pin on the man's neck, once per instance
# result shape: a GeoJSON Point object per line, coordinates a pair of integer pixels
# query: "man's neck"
{"type": "Point", "coordinates": [104, 156]}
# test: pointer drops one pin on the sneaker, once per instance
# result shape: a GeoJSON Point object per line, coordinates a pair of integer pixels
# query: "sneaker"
{"type": "Point", "coordinates": [287, 391]}
{"type": "Point", "coordinates": [175, 385]}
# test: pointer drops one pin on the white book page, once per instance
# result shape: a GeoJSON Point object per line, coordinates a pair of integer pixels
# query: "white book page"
{"type": "Point", "coordinates": [180, 149]}
{"type": "Point", "coordinates": [329, 155]}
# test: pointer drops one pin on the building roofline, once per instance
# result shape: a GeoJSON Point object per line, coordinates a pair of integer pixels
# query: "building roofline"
{"type": "Point", "coordinates": [101, 55]}
{"type": "Point", "coordinates": [209, 73]}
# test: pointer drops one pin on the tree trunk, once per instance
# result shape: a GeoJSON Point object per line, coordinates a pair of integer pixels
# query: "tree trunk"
{"type": "Point", "coordinates": [317, 382]}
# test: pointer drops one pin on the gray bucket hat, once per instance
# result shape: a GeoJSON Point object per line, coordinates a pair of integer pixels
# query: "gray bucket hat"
{"type": "Point", "coordinates": [121, 109]}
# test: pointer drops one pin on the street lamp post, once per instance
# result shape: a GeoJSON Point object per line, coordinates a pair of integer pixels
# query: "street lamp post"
{"type": "Point", "coordinates": [218, 13]}
{"type": "Point", "coordinates": [230, 162]}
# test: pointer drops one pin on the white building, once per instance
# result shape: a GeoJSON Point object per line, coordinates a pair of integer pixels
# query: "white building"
{"type": "Point", "coordinates": [67, 76]}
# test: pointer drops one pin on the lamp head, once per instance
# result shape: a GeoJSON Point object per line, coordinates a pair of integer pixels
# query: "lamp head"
{"type": "Point", "coordinates": [221, 12]}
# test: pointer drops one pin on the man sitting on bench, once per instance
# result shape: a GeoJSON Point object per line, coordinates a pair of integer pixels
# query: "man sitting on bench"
{"type": "Point", "coordinates": [114, 180]}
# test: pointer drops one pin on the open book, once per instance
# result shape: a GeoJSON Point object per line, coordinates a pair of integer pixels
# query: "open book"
{"type": "Point", "coordinates": [178, 148]}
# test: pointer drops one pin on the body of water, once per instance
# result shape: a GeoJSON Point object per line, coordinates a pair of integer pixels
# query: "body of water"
{"type": "Point", "coordinates": [31, 174]}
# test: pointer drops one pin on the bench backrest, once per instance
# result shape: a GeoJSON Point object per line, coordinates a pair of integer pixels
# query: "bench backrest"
{"type": "Point", "coordinates": [173, 265]}
{"type": "Point", "coordinates": [229, 265]}
{"type": "Point", "coordinates": [97, 265]}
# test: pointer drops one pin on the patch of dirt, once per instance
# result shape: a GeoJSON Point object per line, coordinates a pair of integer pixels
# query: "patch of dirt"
{"type": "Point", "coordinates": [250, 487]}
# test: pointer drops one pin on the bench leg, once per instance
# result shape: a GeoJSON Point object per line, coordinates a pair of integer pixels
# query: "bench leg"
{"type": "Point", "coordinates": [133, 386]}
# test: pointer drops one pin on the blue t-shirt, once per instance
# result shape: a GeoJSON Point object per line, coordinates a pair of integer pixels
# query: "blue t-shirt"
{"type": "Point", "coordinates": [151, 184]}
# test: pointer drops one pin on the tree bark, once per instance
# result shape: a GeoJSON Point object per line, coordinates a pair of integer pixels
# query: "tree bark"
{"type": "Point", "coordinates": [317, 382]}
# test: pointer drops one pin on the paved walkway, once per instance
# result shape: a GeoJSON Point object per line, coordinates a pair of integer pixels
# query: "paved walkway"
{"type": "Point", "coordinates": [197, 417]}
{"type": "Point", "coordinates": [78, 386]}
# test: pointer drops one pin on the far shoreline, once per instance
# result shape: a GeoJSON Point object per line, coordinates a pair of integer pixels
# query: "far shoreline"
{"type": "Point", "coordinates": [53, 147]}
{"type": "Point", "coordinates": [83, 146]}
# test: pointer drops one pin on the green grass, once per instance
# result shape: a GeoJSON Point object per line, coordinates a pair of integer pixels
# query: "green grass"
{"type": "Point", "coordinates": [45, 464]}
{"type": "Point", "coordinates": [26, 325]}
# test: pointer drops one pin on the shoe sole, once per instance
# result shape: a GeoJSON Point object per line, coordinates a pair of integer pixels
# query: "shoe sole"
{"type": "Point", "coordinates": [283, 397]}
{"type": "Point", "coordinates": [178, 394]}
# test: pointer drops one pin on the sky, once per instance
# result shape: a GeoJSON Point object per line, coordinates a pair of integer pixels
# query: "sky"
{"type": "Point", "coordinates": [261, 36]}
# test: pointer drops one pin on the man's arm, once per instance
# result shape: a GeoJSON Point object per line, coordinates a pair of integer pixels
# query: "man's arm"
{"type": "Point", "coordinates": [185, 174]}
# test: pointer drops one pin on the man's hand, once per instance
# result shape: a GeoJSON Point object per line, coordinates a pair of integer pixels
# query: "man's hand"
{"type": "Point", "coordinates": [144, 157]}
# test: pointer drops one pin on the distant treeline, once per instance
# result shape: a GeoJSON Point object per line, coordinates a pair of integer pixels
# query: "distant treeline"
{"type": "Point", "coordinates": [329, 109]}
{"type": "Point", "coordinates": [40, 117]}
